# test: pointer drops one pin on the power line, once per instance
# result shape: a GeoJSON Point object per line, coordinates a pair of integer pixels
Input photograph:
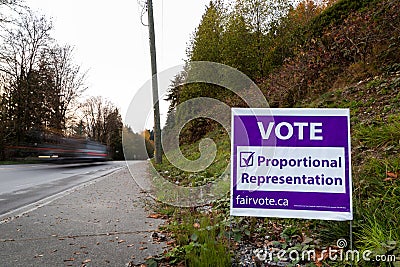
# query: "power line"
{"type": "Point", "coordinates": [143, 5]}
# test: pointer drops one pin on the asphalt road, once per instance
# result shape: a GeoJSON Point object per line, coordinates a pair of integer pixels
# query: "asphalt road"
{"type": "Point", "coordinates": [21, 185]}
{"type": "Point", "coordinates": [103, 222]}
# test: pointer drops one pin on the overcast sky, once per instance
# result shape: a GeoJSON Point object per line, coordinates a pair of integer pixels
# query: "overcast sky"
{"type": "Point", "coordinates": [111, 42]}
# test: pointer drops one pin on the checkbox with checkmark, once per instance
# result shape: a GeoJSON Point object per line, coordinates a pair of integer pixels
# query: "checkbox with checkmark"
{"type": "Point", "coordinates": [246, 159]}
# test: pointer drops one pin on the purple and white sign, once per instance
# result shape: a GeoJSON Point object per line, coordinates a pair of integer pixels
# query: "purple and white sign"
{"type": "Point", "coordinates": [291, 163]}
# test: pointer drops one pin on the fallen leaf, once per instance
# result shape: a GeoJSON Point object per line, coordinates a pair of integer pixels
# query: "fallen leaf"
{"type": "Point", "coordinates": [391, 176]}
{"type": "Point", "coordinates": [196, 225]}
{"type": "Point", "coordinates": [155, 216]}
{"type": "Point", "coordinates": [171, 242]}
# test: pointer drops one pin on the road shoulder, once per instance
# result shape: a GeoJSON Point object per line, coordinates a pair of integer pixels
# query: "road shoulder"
{"type": "Point", "coordinates": [103, 223]}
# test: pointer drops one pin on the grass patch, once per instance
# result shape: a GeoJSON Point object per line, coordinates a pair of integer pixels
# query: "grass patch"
{"type": "Point", "coordinates": [383, 135]}
{"type": "Point", "coordinates": [200, 239]}
{"type": "Point", "coordinates": [192, 152]}
{"type": "Point", "coordinates": [377, 203]}
{"type": "Point", "coordinates": [15, 162]}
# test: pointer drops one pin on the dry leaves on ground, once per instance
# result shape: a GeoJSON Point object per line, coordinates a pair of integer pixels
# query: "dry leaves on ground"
{"type": "Point", "coordinates": [392, 176]}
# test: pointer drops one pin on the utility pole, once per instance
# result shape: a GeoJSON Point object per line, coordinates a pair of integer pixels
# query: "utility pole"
{"type": "Point", "coordinates": [154, 84]}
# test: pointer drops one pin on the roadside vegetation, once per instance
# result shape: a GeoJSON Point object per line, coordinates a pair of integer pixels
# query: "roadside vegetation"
{"type": "Point", "coordinates": [334, 54]}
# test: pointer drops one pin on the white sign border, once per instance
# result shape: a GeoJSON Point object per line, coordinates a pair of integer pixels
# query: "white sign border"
{"type": "Point", "coordinates": [300, 214]}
